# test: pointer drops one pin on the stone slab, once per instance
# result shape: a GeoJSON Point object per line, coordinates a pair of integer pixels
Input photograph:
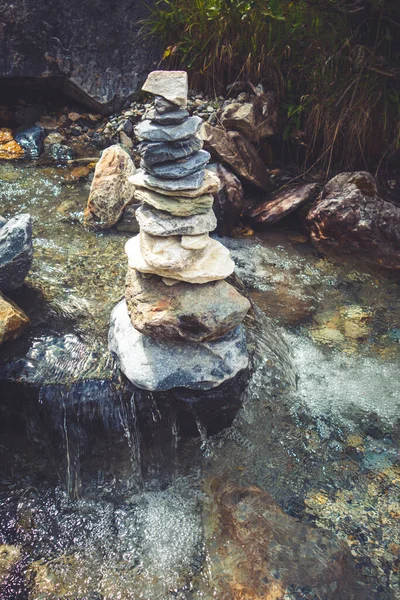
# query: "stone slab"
{"type": "Point", "coordinates": [171, 85]}
{"type": "Point", "coordinates": [159, 152]}
{"type": "Point", "coordinates": [178, 168]}
{"type": "Point", "coordinates": [210, 185]}
{"type": "Point", "coordinates": [178, 206]}
{"type": "Point", "coordinates": [147, 130]}
{"type": "Point", "coordinates": [157, 222]}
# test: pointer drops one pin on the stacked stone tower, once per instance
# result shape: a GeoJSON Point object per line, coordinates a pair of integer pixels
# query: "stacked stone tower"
{"type": "Point", "coordinates": [180, 322]}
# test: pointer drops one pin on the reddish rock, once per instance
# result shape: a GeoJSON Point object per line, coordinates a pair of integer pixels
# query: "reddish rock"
{"type": "Point", "coordinates": [350, 217]}
{"type": "Point", "coordinates": [228, 201]}
{"type": "Point", "coordinates": [13, 320]}
{"type": "Point", "coordinates": [239, 155]}
{"type": "Point", "coordinates": [257, 552]}
{"type": "Point", "coordinates": [283, 203]}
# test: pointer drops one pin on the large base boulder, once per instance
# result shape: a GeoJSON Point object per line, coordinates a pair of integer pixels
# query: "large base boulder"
{"type": "Point", "coordinates": [160, 365]}
{"type": "Point", "coordinates": [350, 217]}
{"type": "Point", "coordinates": [16, 252]}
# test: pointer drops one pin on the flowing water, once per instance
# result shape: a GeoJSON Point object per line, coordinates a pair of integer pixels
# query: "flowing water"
{"type": "Point", "coordinates": [99, 502]}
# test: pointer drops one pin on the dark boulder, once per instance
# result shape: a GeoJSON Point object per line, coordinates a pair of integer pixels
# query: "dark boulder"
{"type": "Point", "coordinates": [31, 140]}
{"type": "Point", "coordinates": [350, 217]}
{"type": "Point", "coordinates": [94, 48]}
{"type": "Point", "coordinates": [15, 252]}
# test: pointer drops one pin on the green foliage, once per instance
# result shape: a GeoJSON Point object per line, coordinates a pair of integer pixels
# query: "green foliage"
{"type": "Point", "coordinates": [333, 65]}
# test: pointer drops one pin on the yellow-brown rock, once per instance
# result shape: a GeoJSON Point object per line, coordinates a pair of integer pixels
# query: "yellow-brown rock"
{"type": "Point", "coordinates": [12, 320]}
{"type": "Point", "coordinates": [9, 150]}
{"type": "Point", "coordinates": [5, 135]}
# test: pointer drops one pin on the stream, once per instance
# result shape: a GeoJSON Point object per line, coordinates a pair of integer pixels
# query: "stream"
{"type": "Point", "coordinates": [105, 492]}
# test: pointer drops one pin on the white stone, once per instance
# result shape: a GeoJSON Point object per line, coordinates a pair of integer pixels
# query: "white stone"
{"type": "Point", "coordinates": [215, 263]}
{"type": "Point", "coordinates": [171, 85]}
{"type": "Point", "coordinates": [167, 253]}
{"type": "Point", "coordinates": [195, 242]}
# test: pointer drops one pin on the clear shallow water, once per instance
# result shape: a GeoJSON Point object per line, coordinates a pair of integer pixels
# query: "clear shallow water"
{"type": "Point", "coordinates": [318, 430]}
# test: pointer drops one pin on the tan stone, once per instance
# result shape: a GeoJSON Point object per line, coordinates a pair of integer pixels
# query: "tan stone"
{"type": "Point", "coordinates": [167, 253]}
{"type": "Point", "coordinates": [12, 320]}
{"type": "Point", "coordinates": [111, 190]}
{"type": "Point", "coordinates": [171, 85]}
{"type": "Point", "coordinates": [210, 185]}
{"type": "Point", "coordinates": [11, 151]}
{"type": "Point", "coordinates": [248, 120]}
{"type": "Point", "coordinates": [5, 135]}
{"type": "Point", "coordinates": [195, 242]}
{"type": "Point", "coordinates": [215, 263]}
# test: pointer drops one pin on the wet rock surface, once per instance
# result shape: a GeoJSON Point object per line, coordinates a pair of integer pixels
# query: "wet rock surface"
{"type": "Point", "coordinates": [16, 252]}
{"type": "Point", "coordinates": [13, 320]}
{"type": "Point", "coordinates": [159, 365]}
{"type": "Point", "coordinates": [183, 311]}
{"type": "Point", "coordinates": [349, 216]}
{"type": "Point", "coordinates": [31, 140]}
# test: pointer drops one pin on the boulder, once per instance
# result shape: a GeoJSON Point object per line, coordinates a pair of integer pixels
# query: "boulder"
{"type": "Point", "coordinates": [209, 186]}
{"type": "Point", "coordinates": [16, 252]}
{"type": "Point", "coordinates": [160, 223]}
{"type": "Point", "coordinates": [167, 253]}
{"type": "Point", "coordinates": [178, 206]}
{"type": "Point", "coordinates": [159, 152]}
{"type": "Point", "coordinates": [171, 85]}
{"type": "Point", "coordinates": [245, 117]}
{"type": "Point", "coordinates": [31, 140]}
{"type": "Point", "coordinates": [228, 201]}
{"type": "Point", "coordinates": [184, 311]}
{"type": "Point", "coordinates": [240, 156]}
{"type": "Point", "coordinates": [350, 217]}
{"type": "Point", "coordinates": [256, 551]}
{"type": "Point", "coordinates": [160, 365]}
{"type": "Point", "coordinates": [214, 263]}
{"type": "Point", "coordinates": [111, 191]}
{"type": "Point", "coordinates": [283, 203]}
{"type": "Point", "coordinates": [179, 168]}
{"type": "Point", "coordinates": [147, 130]}
{"type": "Point", "coordinates": [13, 320]}
{"type": "Point", "coordinates": [90, 50]}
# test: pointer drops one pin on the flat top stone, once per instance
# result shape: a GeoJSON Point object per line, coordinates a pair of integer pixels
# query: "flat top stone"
{"type": "Point", "coordinates": [161, 223]}
{"type": "Point", "coordinates": [147, 130]}
{"type": "Point", "coordinates": [210, 185]}
{"type": "Point", "coordinates": [171, 85]}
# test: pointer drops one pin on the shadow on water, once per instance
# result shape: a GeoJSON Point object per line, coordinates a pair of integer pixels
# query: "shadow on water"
{"type": "Point", "coordinates": [103, 487]}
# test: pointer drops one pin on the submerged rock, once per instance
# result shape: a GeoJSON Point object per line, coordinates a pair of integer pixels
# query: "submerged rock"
{"type": "Point", "coordinates": [213, 264]}
{"type": "Point", "coordinates": [256, 551]}
{"type": "Point", "coordinates": [13, 320]}
{"type": "Point", "coordinates": [60, 152]}
{"type": "Point", "coordinates": [350, 217]}
{"type": "Point", "coordinates": [111, 191]}
{"type": "Point", "coordinates": [31, 140]}
{"type": "Point", "coordinates": [159, 365]}
{"type": "Point", "coordinates": [171, 85]}
{"type": "Point", "coordinates": [16, 252]}
{"type": "Point", "coordinates": [159, 152]}
{"type": "Point", "coordinates": [147, 130]}
{"type": "Point", "coordinates": [178, 206]}
{"type": "Point", "coordinates": [9, 148]}
{"type": "Point", "coordinates": [184, 311]}
{"type": "Point", "coordinates": [160, 223]}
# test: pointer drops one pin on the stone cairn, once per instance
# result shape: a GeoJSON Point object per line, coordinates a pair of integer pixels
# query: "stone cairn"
{"type": "Point", "coordinates": [180, 322]}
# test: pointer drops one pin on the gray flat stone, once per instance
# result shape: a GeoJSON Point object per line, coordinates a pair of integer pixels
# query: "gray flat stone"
{"type": "Point", "coordinates": [159, 152]}
{"type": "Point", "coordinates": [168, 118]}
{"type": "Point", "coordinates": [16, 252]}
{"type": "Point", "coordinates": [179, 168]}
{"type": "Point", "coordinates": [157, 222]}
{"type": "Point", "coordinates": [210, 185]}
{"type": "Point", "coordinates": [160, 365]}
{"type": "Point", "coordinates": [164, 106]}
{"type": "Point", "coordinates": [190, 182]}
{"type": "Point", "coordinates": [146, 130]}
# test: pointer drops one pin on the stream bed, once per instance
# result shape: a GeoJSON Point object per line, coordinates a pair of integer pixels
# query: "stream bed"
{"type": "Point", "coordinates": [98, 502]}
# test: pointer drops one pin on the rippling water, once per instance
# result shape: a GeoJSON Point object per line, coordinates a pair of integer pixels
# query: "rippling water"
{"type": "Point", "coordinates": [318, 428]}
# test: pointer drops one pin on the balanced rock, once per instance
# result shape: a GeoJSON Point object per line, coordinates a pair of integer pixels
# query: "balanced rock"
{"type": "Point", "coordinates": [16, 252]}
{"type": "Point", "coordinates": [168, 118]}
{"type": "Point", "coordinates": [190, 182]}
{"type": "Point", "coordinates": [159, 365]}
{"type": "Point", "coordinates": [163, 106]}
{"type": "Point", "coordinates": [179, 168]}
{"type": "Point", "coordinates": [215, 263]}
{"type": "Point", "coordinates": [147, 130]}
{"type": "Point", "coordinates": [178, 206]}
{"type": "Point", "coordinates": [210, 185]}
{"type": "Point", "coordinates": [158, 152]}
{"type": "Point", "coordinates": [13, 320]}
{"type": "Point", "coordinates": [195, 242]}
{"type": "Point", "coordinates": [171, 85]}
{"type": "Point", "coordinates": [185, 311]}
{"type": "Point", "coordinates": [160, 223]}
{"type": "Point", "coordinates": [167, 253]}
{"type": "Point", "coordinates": [111, 191]}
